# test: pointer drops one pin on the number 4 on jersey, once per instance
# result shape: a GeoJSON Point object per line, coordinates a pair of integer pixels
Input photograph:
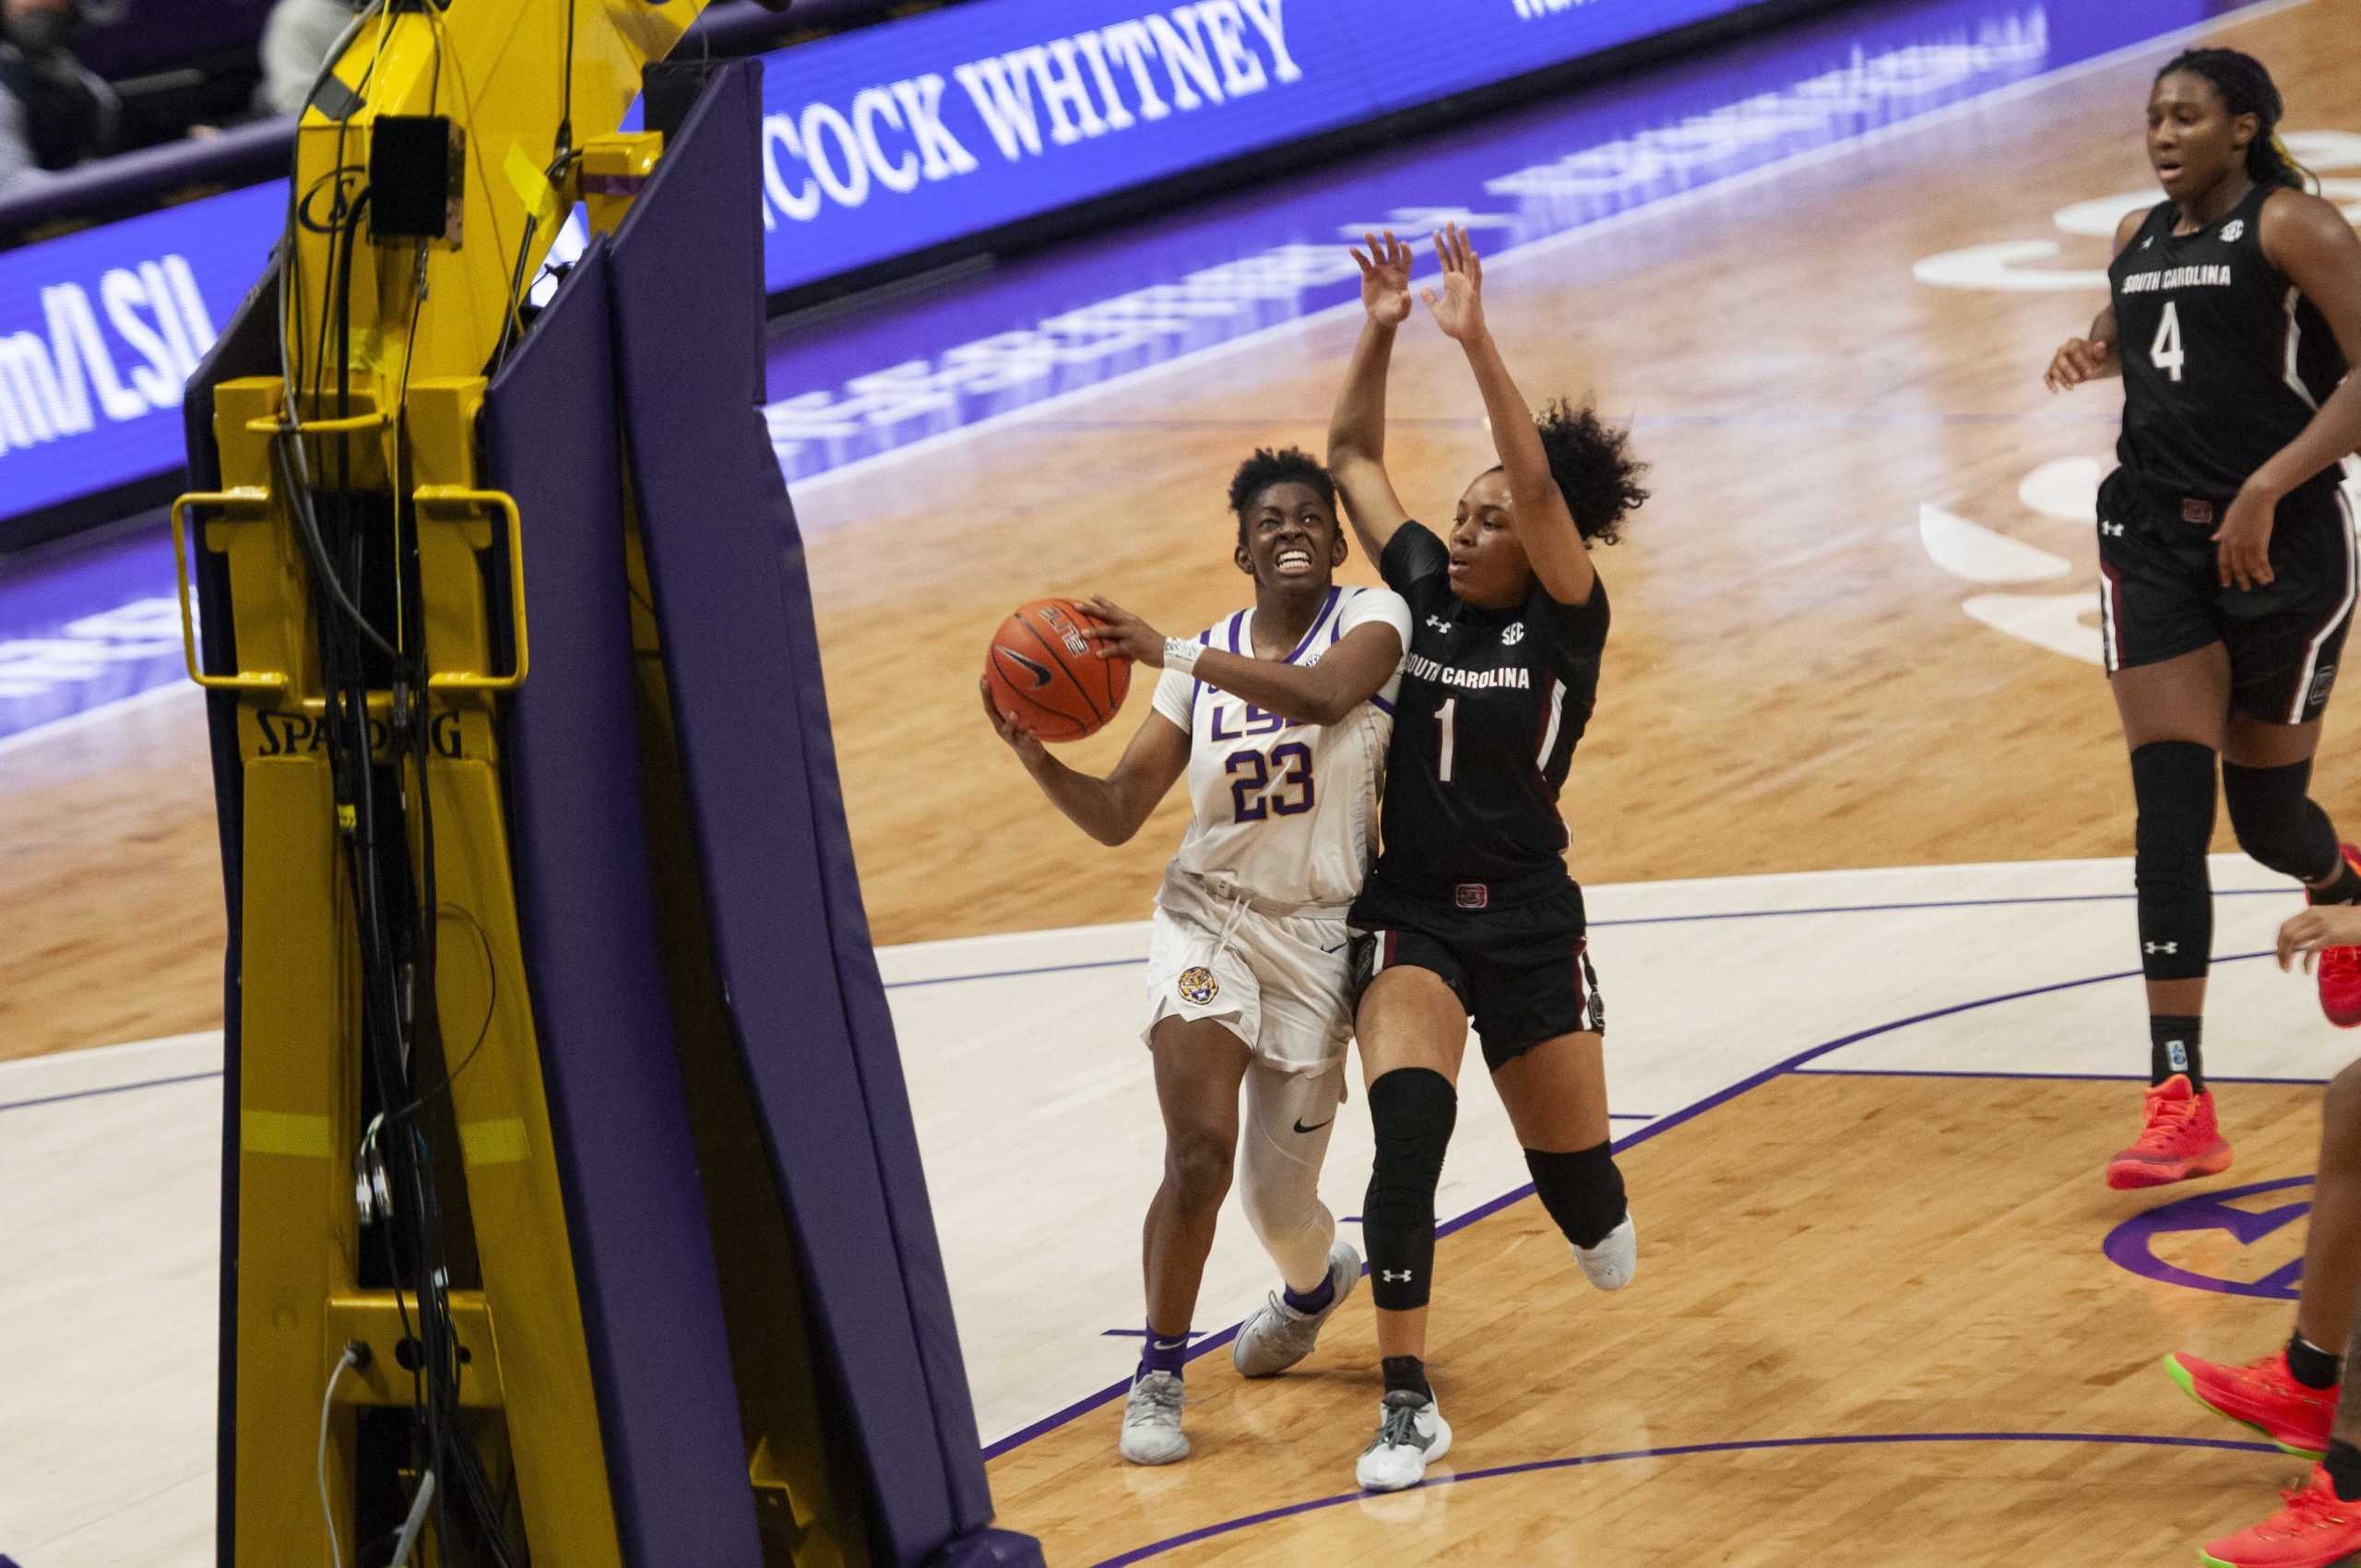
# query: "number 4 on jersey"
{"type": "Point", "coordinates": [2166, 353]}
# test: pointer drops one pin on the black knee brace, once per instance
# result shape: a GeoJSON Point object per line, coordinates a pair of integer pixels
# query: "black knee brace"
{"type": "Point", "coordinates": [1583, 1191]}
{"type": "Point", "coordinates": [2173, 782]}
{"type": "Point", "coordinates": [2277, 823]}
{"type": "Point", "coordinates": [1413, 1109]}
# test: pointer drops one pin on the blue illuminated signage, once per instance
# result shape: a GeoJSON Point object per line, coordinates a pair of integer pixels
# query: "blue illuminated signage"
{"type": "Point", "coordinates": [876, 143]}
{"type": "Point", "coordinates": [890, 140]}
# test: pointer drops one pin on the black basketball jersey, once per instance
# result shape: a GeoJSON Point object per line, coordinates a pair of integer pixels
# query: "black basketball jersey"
{"type": "Point", "coordinates": [2225, 361]}
{"type": "Point", "coordinates": [1492, 703]}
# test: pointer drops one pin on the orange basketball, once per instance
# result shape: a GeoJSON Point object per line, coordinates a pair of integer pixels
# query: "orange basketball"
{"type": "Point", "coordinates": [1050, 676]}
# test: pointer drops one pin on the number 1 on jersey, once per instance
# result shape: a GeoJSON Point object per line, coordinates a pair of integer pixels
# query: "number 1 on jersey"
{"type": "Point", "coordinates": [1445, 717]}
{"type": "Point", "coordinates": [2165, 352]}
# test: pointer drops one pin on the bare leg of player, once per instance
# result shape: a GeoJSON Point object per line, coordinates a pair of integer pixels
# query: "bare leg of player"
{"type": "Point", "coordinates": [1199, 1066]}
{"type": "Point", "coordinates": [1412, 1032]}
{"type": "Point", "coordinates": [2333, 1248]}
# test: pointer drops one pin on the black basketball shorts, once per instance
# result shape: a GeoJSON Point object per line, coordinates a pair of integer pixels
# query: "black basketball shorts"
{"type": "Point", "coordinates": [1523, 972]}
{"type": "Point", "coordinates": [2161, 594]}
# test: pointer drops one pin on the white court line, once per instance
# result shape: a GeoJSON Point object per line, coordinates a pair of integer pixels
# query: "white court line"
{"type": "Point", "coordinates": [1549, 243]}
{"type": "Point", "coordinates": [56, 727]}
{"type": "Point", "coordinates": [2226, 870]}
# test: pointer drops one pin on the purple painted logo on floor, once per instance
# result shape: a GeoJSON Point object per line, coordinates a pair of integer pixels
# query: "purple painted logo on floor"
{"type": "Point", "coordinates": [2132, 1245]}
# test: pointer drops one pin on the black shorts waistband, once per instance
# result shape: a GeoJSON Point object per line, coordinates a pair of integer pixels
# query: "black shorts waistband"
{"type": "Point", "coordinates": [2205, 509]}
{"type": "Point", "coordinates": [1474, 892]}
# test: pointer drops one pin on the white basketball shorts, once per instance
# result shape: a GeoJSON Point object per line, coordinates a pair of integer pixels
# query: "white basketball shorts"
{"type": "Point", "coordinates": [1281, 983]}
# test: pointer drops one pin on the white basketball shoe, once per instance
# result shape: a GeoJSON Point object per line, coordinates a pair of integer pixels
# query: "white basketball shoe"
{"type": "Point", "coordinates": [1411, 1434]}
{"type": "Point", "coordinates": [1611, 1263]}
{"type": "Point", "coordinates": [1278, 1336]}
{"type": "Point", "coordinates": [1151, 1434]}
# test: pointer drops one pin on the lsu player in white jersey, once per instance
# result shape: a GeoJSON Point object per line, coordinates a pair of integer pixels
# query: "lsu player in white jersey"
{"type": "Point", "coordinates": [1279, 715]}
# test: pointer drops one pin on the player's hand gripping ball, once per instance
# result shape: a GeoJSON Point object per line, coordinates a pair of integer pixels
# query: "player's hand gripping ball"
{"type": "Point", "coordinates": [1043, 670]}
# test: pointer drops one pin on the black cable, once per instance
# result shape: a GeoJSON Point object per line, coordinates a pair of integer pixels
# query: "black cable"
{"type": "Point", "coordinates": [393, 937]}
{"type": "Point", "coordinates": [345, 717]}
{"type": "Point", "coordinates": [484, 1030]}
{"type": "Point", "coordinates": [566, 91]}
{"type": "Point", "coordinates": [511, 326]}
{"type": "Point", "coordinates": [296, 482]}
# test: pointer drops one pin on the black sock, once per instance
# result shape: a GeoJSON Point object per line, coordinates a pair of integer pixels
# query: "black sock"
{"type": "Point", "coordinates": [2343, 1463]}
{"type": "Point", "coordinates": [2344, 889]}
{"type": "Point", "coordinates": [2173, 1048]}
{"type": "Point", "coordinates": [1407, 1372]}
{"type": "Point", "coordinates": [2312, 1367]}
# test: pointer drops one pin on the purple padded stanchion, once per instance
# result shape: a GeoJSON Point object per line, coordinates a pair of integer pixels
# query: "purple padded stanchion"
{"type": "Point", "coordinates": [791, 940]}
{"type": "Point", "coordinates": [635, 1214]}
{"type": "Point", "coordinates": [248, 346]}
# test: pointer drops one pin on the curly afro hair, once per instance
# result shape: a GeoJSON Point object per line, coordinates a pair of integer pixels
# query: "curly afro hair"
{"type": "Point", "coordinates": [1267, 467]}
{"type": "Point", "coordinates": [1596, 472]}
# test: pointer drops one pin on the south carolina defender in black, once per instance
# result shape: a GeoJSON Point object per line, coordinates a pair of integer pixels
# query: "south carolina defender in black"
{"type": "Point", "coordinates": [2226, 554]}
{"type": "Point", "coordinates": [1469, 910]}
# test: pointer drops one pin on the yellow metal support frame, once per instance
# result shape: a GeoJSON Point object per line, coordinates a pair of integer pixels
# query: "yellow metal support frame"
{"type": "Point", "coordinates": [385, 343]}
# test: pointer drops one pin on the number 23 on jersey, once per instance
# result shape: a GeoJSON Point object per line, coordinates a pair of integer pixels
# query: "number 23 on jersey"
{"type": "Point", "coordinates": [1250, 776]}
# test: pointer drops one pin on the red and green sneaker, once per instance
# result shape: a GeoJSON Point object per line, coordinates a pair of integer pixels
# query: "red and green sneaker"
{"type": "Point", "coordinates": [2262, 1394]}
{"type": "Point", "coordinates": [2315, 1529]}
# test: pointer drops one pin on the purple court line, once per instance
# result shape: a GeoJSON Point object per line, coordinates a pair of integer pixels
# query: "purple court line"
{"type": "Point", "coordinates": [2064, 1077]}
{"type": "Point", "coordinates": [1671, 919]}
{"type": "Point", "coordinates": [1207, 1532]}
{"type": "Point", "coordinates": [1089, 1402]}
{"type": "Point", "coordinates": [1932, 904]}
{"type": "Point", "coordinates": [111, 1088]}
{"type": "Point", "coordinates": [1016, 974]}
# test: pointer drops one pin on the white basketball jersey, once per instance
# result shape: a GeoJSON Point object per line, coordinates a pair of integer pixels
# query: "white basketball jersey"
{"type": "Point", "coordinates": [1285, 811]}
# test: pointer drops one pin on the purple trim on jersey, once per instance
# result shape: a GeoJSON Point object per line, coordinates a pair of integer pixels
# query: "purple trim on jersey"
{"type": "Point", "coordinates": [1197, 688]}
{"type": "Point", "coordinates": [1318, 621]}
{"type": "Point", "coordinates": [1336, 627]}
{"type": "Point", "coordinates": [1383, 706]}
{"type": "Point", "coordinates": [1235, 622]}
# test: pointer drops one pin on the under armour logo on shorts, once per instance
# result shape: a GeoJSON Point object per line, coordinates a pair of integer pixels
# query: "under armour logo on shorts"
{"type": "Point", "coordinates": [1394, 1276]}
{"type": "Point", "coordinates": [2162, 946]}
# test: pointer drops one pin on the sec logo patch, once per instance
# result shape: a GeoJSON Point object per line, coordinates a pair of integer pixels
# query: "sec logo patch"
{"type": "Point", "coordinates": [1198, 985]}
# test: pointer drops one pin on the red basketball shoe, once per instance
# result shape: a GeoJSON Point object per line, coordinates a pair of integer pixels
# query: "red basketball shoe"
{"type": "Point", "coordinates": [2340, 968]}
{"type": "Point", "coordinates": [2180, 1140]}
{"type": "Point", "coordinates": [2314, 1530]}
{"type": "Point", "coordinates": [2262, 1394]}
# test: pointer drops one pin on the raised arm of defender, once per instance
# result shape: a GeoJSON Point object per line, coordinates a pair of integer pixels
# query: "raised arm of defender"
{"type": "Point", "coordinates": [1543, 523]}
{"type": "Point", "coordinates": [1357, 428]}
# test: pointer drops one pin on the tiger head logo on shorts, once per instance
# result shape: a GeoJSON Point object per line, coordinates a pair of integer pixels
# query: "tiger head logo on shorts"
{"type": "Point", "coordinates": [1198, 985]}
